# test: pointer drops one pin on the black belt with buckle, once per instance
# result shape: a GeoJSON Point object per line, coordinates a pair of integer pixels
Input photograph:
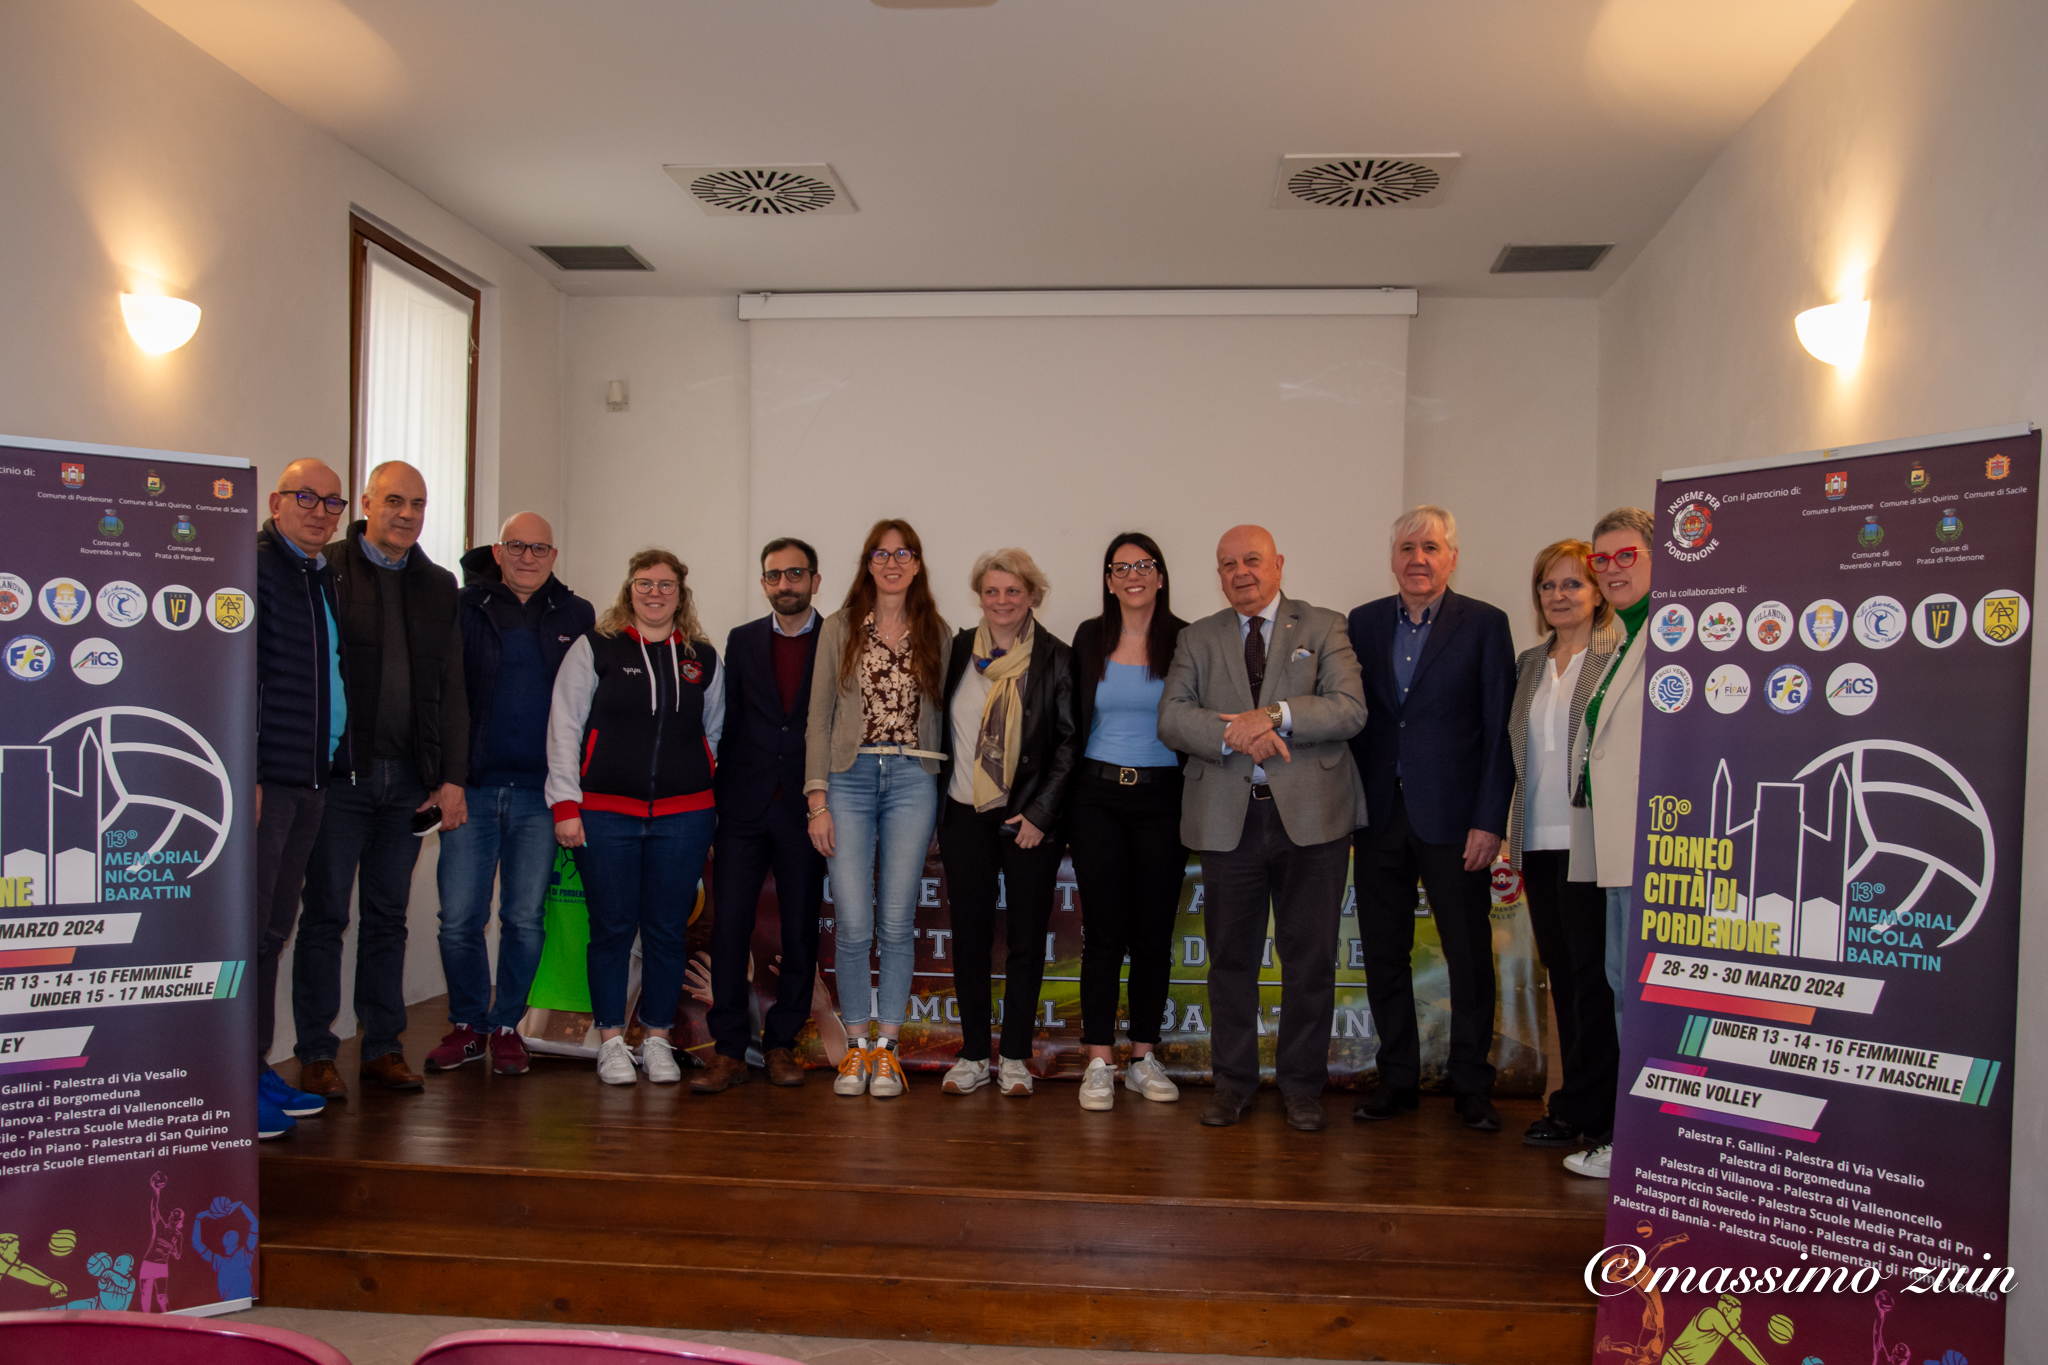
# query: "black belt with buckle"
{"type": "Point", "coordinates": [1262, 792]}
{"type": "Point", "coordinates": [1126, 777]}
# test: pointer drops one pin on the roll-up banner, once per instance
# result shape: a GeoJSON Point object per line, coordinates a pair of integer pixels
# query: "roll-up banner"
{"type": "Point", "coordinates": [127, 1036]}
{"type": "Point", "coordinates": [1813, 1143]}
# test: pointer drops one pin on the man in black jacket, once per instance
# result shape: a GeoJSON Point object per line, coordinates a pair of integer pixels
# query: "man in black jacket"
{"type": "Point", "coordinates": [761, 824]}
{"type": "Point", "coordinates": [409, 731]}
{"type": "Point", "coordinates": [518, 620]}
{"type": "Point", "coordinates": [301, 738]}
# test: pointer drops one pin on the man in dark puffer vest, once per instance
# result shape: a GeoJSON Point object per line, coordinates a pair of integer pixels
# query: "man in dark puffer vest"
{"type": "Point", "coordinates": [409, 725]}
{"type": "Point", "coordinates": [301, 738]}
{"type": "Point", "coordinates": [518, 620]}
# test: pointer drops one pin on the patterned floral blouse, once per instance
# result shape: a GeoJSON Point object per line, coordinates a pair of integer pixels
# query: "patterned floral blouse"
{"type": "Point", "coordinates": [889, 697]}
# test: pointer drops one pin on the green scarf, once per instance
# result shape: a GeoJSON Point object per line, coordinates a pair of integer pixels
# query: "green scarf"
{"type": "Point", "coordinates": [1632, 618]}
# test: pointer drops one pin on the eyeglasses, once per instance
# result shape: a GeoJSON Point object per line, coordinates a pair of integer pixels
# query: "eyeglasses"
{"type": "Point", "coordinates": [1571, 585]}
{"type": "Point", "coordinates": [905, 555]}
{"type": "Point", "coordinates": [773, 576]}
{"type": "Point", "coordinates": [656, 587]}
{"type": "Point", "coordinates": [526, 549]}
{"type": "Point", "coordinates": [1620, 559]}
{"type": "Point", "coordinates": [1143, 568]}
{"type": "Point", "coordinates": [308, 499]}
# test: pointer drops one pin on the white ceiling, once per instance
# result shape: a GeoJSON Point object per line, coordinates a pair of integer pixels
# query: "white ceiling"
{"type": "Point", "coordinates": [1031, 143]}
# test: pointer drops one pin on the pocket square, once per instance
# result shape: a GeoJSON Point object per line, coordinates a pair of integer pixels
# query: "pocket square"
{"type": "Point", "coordinates": [1301, 653]}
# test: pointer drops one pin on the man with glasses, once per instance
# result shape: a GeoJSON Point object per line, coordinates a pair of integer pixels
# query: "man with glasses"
{"type": "Point", "coordinates": [301, 739]}
{"type": "Point", "coordinates": [518, 621]}
{"type": "Point", "coordinates": [762, 824]}
{"type": "Point", "coordinates": [409, 735]}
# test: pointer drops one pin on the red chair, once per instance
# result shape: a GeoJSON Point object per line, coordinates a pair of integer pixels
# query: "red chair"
{"type": "Point", "coordinates": [89, 1336]}
{"type": "Point", "coordinates": [542, 1346]}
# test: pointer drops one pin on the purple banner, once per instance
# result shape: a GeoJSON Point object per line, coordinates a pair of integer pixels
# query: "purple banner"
{"type": "Point", "coordinates": [127, 1074]}
{"type": "Point", "coordinates": [1816, 1087]}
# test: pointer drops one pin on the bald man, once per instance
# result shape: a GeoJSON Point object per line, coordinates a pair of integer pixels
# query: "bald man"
{"type": "Point", "coordinates": [1262, 698]}
{"type": "Point", "coordinates": [409, 736]}
{"type": "Point", "coordinates": [518, 620]}
{"type": "Point", "coordinates": [301, 738]}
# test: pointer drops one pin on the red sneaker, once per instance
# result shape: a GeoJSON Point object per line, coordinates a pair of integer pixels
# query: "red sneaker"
{"type": "Point", "coordinates": [508, 1053]}
{"type": "Point", "coordinates": [465, 1044]}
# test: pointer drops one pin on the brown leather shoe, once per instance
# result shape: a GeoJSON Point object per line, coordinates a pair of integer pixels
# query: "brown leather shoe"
{"type": "Point", "coordinates": [723, 1072]}
{"type": "Point", "coordinates": [783, 1067]}
{"type": "Point", "coordinates": [322, 1078]}
{"type": "Point", "coordinates": [391, 1072]}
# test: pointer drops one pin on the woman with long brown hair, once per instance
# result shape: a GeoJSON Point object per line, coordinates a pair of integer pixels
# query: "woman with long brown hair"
{"type": "Point", "coordinates": [633, 734]}
{"type": "Point", "coordinates": [871, 755]}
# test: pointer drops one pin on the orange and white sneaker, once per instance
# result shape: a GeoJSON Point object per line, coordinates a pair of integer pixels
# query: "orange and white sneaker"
{"type": "Point", "coordinates": [854, 1070]}
{"type": "Point", "coordinates": [889, 1080]}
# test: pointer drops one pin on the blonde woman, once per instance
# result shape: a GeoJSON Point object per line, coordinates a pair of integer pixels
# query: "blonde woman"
{"type": "Point", "coordinates": [1011, 747]}
{"type": "Point", "coordinates": [870, 750]}
{"type": "Point", "coordinates": [632, 741]}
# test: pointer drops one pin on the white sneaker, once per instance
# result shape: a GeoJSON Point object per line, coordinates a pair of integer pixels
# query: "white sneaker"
{"type": "Point", "coordinates": [1148, 1078]}
{"type": "Point", "coordinates": [1098, 1085]}
{"type": "Point", "coordinates": [853, 1072]}
{"type": "Point", "coordinates": [658, 1055]}
{"type": "Point", "coordinates": [888, 1081]}
{"type": "Point", "coordinates": [1016, 1078]}
{"type": "Point", "coordinates": [615, 1062]}
{"type": "Point", "coordinates": [1591, 1164]}
{"type": "Point", "coordinates": [965, 1077]}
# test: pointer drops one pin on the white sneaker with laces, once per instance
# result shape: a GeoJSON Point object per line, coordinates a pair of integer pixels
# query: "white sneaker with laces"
{"type": "Point", "coordinates": [1591, 1164]}
{"type": "Point", "coordinates": [1016, 1077]}
{"type": "Point", "coordinates": [1148, 1078]}
{"type": "Point", "coordinates": [658, 1055]}
{"type": "Point", "coordinates": [615, 1062]}
{"type": "Point", "coordinates": [965, 1077]}
{"type": "Point", "coordinates": [1098, 1085]}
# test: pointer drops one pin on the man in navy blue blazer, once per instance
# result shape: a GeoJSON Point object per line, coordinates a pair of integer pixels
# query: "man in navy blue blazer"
{"type": "Point", "coordinates": [759, 786]}
{"type": "Point", "coordinates": [1439, 679]}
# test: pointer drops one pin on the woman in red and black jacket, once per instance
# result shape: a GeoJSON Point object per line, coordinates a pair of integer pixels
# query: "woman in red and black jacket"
{"type": "Point", "coordinates": [632, 742]}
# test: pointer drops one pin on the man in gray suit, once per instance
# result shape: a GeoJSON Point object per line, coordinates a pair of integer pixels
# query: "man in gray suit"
{"type": "Point", "coordinates": [1263, 696]}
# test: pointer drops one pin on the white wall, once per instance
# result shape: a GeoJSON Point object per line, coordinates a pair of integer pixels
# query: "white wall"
{"type": "Point", "coordinates": [132, 160]}
{"type": "Point", "coordinates": [1905, 156]}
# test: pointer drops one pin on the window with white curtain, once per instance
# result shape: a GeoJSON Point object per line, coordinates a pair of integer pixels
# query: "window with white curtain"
{"type": "Point", "coordinates": [415, 382]}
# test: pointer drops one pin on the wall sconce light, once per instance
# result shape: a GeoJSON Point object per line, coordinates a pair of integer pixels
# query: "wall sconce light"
{"type": "Point", "coordinates": [1834, 333]}
{"type": "Point", "coordinates": [159, 324]}
{"type": "Point", "coordinates": [615, 395]}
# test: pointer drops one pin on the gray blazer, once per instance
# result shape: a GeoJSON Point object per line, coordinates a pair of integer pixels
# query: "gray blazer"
{"type": "Point", "coordinates": [1529, 668]}
{"type": "Point", "coordinates": [833, 729]}
{"type": "Point", "coordinates": [1311, 667]}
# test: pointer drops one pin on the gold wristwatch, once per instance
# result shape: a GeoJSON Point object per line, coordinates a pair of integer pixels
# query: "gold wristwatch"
{"type": "Point", "coordinates": [1276, 715]}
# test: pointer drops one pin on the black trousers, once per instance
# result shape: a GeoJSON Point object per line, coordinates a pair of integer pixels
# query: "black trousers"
{"type": "Point", "coordinates": [1391, 858]}
{"type": "Point", "coordinates": [974, 850]}
{"type": "Point", "coordinates": [1302, 888]}
{"type": "Point", "coordinates": [284, 845]}
{"type": "Point", "coordinates": [1570, 922]}
{"type": "Point", "coordinates": [746, 852]}
{"type": "Point", "coordinates": [1129, 864]}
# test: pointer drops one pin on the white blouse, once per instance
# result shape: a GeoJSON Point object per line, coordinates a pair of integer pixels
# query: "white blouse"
{"type": "Point", "coordinates": [1548, 793]}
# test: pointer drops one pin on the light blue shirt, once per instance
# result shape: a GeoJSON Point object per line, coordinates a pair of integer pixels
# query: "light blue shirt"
{"type": "Point", "coordinates": [337, 694]}
{"type": "Point", "coordinates": [810, 624]}
{"type": "Point", "coordinates": [1265, 621]}
{"type": "Point", "coordinates": [378, 557]}
{"type": "Point", "coordinates": [1125, 727]}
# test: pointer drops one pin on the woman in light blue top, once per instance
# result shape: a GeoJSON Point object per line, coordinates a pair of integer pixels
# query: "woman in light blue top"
{"type": "Point", "coordinates": [1125, 828]}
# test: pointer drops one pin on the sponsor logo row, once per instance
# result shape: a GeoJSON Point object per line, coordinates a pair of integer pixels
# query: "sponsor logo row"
{"type": "Point", "coordinates": [68, 602]}
{"type": "Point", "coordinates": [1999, 618]}
{"type": "Point", "coordinates": [1850, 691]}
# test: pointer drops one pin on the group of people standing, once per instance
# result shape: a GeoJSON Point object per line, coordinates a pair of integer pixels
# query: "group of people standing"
{"type": "Point", "coordinates": [1282, 742]}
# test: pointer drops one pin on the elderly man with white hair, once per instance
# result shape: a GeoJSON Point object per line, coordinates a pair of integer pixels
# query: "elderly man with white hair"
{"type": "Point", "coordinates": [1439, 774]}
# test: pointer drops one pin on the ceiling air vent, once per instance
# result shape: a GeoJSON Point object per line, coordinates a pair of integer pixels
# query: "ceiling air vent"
{"type": "Point", "coordinates": [594, 257]}
{"type": "Point", "coordinates": [1362, 182]}
{"type": "Point", "coordinates": [770, 191]}
{"type": "Point", "coordinates": [1522, 260]}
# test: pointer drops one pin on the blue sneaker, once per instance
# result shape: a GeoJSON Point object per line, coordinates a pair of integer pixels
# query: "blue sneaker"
{"type": "Point", "coordinates": [271, 1121]}
{"type": "Point", "coordinates": [274, 1089]}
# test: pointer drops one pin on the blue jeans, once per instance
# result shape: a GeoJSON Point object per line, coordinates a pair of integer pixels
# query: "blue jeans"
{"type": "Point", "coordinates": [640, 874]}
{"type": "Point", "coordinates": [1617, 946]}
{"type": "Point", "coordinates": [883, 809]}
{"type": "Point", "coordinates": [512, 827]}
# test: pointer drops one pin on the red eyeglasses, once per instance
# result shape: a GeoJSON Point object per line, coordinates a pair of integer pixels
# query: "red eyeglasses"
{"type": "Point", "coordinates": [1620, 559]}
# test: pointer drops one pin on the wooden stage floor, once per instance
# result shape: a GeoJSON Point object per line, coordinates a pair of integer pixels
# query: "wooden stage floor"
{"type": "Point", "coordinates": [550, 1197]}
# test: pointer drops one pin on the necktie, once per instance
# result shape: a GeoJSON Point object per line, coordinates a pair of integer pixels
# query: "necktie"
{"type": "Point", "coordinates": [1255, 656]}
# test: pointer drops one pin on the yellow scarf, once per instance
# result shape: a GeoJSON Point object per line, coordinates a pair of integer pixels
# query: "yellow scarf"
{"type": "Point", "coordinates": [1002, 717]}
